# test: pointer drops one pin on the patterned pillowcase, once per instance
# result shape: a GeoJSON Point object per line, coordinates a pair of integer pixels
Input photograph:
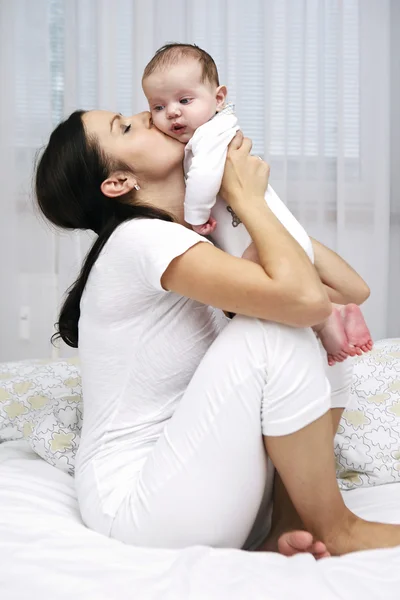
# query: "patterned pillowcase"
{"type": "Point", "coordinates": [41, 401]}
{"type": "Point", "coordinates": [367, 444]}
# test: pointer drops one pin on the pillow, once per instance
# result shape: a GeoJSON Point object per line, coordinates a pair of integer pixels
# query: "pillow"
{"type": "Point", "coordinates": [41, 401]}
{"type": "Point", "coordinates": [367, 444]}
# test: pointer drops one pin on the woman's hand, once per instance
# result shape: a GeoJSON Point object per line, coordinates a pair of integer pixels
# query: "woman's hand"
{"type": "Point", "coordinates": [283, 287]}
{"type": "Point", "coordinates": [245, 177]}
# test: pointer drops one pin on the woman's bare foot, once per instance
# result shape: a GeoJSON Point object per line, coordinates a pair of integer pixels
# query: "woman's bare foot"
{"type": "Point", "coordinates": [356, 329]}
{"type": "Point", "coordinates": [351, 534]}
{"type": "Point", "coordinates": [295, 542]}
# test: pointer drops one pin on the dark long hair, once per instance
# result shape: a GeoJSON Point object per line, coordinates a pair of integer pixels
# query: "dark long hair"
{"type": "Point", "coordinates": [68, 182]}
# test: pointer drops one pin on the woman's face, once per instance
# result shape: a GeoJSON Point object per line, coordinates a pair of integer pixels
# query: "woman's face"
{"type": "Point", "coordinates": [135, 141]}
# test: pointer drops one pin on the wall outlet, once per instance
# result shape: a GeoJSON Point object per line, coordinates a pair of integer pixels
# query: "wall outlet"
{"type": "Point", "coordinates": [24, 323]}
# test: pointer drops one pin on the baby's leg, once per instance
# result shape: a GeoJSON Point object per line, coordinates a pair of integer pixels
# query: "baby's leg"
{"type": "Point", "coordinates": [232, 236]}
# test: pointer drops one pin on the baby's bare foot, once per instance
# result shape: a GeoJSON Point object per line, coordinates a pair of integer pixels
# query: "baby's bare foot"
{"type": "Point", "coordinates": [333, 337]}
{"type": "Point", "coordinates": [356, 329]}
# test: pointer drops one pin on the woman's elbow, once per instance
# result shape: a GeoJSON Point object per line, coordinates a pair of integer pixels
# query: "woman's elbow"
{"type": "Point", "coordinates": [363, 293]}
{"type": "Point", "coordinates": [314, 309]}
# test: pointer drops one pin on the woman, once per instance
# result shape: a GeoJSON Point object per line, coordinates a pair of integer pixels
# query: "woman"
{"type": "Point", "coordinates": [182, 407]}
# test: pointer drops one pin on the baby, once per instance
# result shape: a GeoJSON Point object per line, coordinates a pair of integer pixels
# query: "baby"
{"type": "Point", "coordinates": [187, 102]}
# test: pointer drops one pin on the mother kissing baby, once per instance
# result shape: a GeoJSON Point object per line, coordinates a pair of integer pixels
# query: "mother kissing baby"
{"type": "Point", "coordinates": [185, 410]}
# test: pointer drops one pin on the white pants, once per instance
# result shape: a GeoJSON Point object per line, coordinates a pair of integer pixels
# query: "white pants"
{"type": "Point", "coordinates": [207, 479]}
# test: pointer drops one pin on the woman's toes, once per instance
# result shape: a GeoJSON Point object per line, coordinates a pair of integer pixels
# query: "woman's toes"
{"type": "Point", "coordinates": [296, 542]}
{"type": "Point", "coordinates": [293, 542]}
{"type": "Point", "coordinates": [318, 550]}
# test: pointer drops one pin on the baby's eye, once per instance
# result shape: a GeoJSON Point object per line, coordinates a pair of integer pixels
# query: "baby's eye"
{"type": "Point", "coordinates": [158, 108]}
{"type": "Point", "coordinates": [185, 100]}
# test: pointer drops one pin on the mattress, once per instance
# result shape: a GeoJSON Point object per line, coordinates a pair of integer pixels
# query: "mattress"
{"type": "Point", "coordinates": [46, 552]}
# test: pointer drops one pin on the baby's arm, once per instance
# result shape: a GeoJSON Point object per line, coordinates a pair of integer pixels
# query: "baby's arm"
{"type": "Point", "coordinates": [208, 149]}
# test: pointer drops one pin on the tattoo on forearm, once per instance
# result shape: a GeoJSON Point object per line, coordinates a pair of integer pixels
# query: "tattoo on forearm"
{"type": "Point", "coordinates": [235, 219]}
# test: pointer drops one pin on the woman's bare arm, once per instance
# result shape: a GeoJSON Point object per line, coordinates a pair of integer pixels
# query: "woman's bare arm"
{"type": "Point", "coordinates": [235, 285]}
{"type": "Point", "coordinates": [342, 283]}
{"type": "Point", "coordinates": [284, 287]}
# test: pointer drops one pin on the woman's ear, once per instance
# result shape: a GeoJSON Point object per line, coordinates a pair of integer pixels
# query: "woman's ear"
{"type": "Point", "coordinates": [220, 96]}
{"type": "Point", "coordinates": [118, 184]}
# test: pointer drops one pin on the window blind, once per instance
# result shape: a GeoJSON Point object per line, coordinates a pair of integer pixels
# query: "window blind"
{"type": "Point", "coordinates": [291, 66]}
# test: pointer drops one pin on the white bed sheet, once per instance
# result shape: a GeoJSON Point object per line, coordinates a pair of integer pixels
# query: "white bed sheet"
{"type": "Point", "coordinates": [47, 553]}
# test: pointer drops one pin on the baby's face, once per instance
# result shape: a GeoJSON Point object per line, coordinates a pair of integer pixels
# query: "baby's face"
{"type": "Point", "coordinates": [179, 100]}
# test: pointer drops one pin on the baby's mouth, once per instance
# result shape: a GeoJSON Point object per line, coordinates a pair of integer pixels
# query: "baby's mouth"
{"type": "Point", "coordinates": [177, 128]}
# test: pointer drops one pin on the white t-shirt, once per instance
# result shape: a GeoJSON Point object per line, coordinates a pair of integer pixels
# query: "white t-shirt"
{"type": "Point", "coordinates": [204, 163]}
{"type": "Point", "coordinates": [139, 347]}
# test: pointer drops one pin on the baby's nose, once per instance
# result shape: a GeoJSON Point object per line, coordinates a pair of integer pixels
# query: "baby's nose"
{"type": "Point", "coordinates": [174, 111]}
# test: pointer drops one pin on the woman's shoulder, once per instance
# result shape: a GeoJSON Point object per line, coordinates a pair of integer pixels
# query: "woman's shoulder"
{"type": "Point", "coordinates": [152, 232]}
{"type": "Point", "coordinates": [142, 228]}
{"type": "Point", "coordinates": [148, 246]}
{"type": "Point", "coordinates": [139, 233]}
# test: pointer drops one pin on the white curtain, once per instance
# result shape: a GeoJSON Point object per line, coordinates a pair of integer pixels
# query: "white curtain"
{"type": "Point", "coordinates": [316, 84]}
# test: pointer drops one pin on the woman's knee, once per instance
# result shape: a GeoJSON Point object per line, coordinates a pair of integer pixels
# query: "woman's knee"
{"type": "Point", "coordinates": [297, 391]}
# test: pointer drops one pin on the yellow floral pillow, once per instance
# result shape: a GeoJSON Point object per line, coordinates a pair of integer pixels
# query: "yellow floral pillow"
{"type": "Point", "coordinates": [367, 444]}
{"type": "Point", "coordinates": [41, 401]}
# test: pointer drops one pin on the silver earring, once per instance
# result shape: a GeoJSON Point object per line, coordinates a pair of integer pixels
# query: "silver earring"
{"type": "Point", "coordinates": [136, 187]}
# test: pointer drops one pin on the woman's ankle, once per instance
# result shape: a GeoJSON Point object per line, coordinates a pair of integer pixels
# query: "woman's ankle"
{"type": "Point", "coordinates": [340, 538]}
{"type": "Point", "coordinates": [337, 531]}
{"type": "Point", "coordinates": [354, 534]}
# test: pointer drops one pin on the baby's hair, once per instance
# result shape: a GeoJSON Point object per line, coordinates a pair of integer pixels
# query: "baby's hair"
{"type": "Point", "coordinates": [172, 53]}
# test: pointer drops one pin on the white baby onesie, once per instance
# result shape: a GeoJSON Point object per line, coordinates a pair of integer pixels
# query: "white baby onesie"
{"type": "Point", "coordinates": [204, 163]}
